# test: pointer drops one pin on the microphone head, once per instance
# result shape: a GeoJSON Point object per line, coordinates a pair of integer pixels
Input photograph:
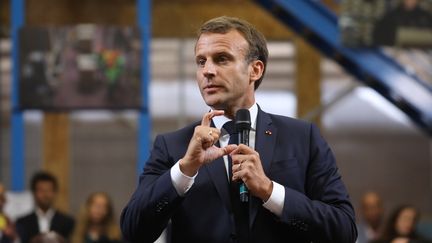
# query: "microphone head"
{"type": "Point", "coordinates": [243, 120]}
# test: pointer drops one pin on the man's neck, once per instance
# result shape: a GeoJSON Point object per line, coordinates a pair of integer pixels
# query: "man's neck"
{"type": "Point", "coordinates": [44, 210]}
{"type": "Point", "coordinates": [220, 120]}
{"type": "Point", "coordinates": [230, 112]}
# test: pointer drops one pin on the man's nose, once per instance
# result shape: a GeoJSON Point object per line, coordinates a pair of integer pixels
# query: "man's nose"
{"type": "Point", "coordinates": [209, 69]}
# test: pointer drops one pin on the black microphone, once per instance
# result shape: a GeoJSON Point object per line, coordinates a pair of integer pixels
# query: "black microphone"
{"type": "Point", "coordinates": [243, 126]}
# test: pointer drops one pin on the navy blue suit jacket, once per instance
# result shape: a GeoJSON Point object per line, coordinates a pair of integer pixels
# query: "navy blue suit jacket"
{"type": "Point", "coordinates": [316, 207]}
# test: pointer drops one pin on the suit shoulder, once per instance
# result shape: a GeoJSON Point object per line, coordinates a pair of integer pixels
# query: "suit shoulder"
{"type": "Point", "coordinates": [26, 218]}
{"type": "Point", "coordinates": [294, 128]}
{"type": "Point", "coordinates": [65, 217]}
{"type": "Point", "coordinates": [290, 122]}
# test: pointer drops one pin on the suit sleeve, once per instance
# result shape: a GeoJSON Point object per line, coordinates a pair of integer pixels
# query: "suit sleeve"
{"type": "Point", "coordinates": [70, 226]}
{"type": "Point", "coordinates": [21, 231]}
{"type": "Point", "coordinates": [324, 213]}
{"type": "Point", "coordinates": [155, 199]}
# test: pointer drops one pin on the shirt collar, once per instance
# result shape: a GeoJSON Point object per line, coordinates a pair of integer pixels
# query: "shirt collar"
{"type": "Point", "coordinates": [48, 214]}
{"type": "Point", "coordinates": [219, 121]}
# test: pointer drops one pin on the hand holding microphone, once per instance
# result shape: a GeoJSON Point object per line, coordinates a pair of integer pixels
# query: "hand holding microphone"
{"type": "Point", "coordinates": [243, 126]}
{"type": "Point", "coordinates": [247, 164]}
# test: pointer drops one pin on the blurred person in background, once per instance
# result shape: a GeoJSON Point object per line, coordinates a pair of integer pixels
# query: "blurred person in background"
{"type": "Point", "coordinates": [371, 217]}
{"type": "Point", "coordinates": [401, 227]}
{"type": "Point", "coordinates": [408, 14]}
{"type": "Point", "coordinates": [50, 237]}
{"type": "Point", "coordinates": [45, 218]}
{"type": "Point", "coordinates": [7, 229]}
{"type": "Point", "coordinates": [96, 222]}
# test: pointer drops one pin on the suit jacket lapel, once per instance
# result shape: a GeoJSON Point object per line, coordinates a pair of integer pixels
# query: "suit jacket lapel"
{"type": "Point", "coordinates": [265, 141]}
{"type": "Point", "coordinates": [218, 175]}
{"type": "Point", "coordinates": [54, 222]}
{"type": "Point", "coordinates": [34, 224]}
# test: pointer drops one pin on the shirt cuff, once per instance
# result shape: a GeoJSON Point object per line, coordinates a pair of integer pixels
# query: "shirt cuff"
{"type": "Point", "coordinates": [182, 183]}
{"type": "Point", "coordinates": [276, 201]}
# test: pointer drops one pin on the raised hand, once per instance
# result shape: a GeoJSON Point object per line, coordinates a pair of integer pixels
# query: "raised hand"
{"type": "Point", "coordinates": [201, 147]}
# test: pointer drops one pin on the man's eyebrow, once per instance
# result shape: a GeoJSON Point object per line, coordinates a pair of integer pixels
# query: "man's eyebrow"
{"type": "Point", "coordinates": [223, 53]}
{"type": "Point", "coordinates": [219, 53]}
{"type": "Point", "coordinates": [199, 56]}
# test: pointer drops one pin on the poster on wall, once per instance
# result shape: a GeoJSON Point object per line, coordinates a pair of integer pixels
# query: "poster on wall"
{"type": "Point", "coordinates": [396, 23]}
{"type": "Point", "coordinates": [80, 67]}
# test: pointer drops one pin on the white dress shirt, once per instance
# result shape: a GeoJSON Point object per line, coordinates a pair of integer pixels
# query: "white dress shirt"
{"type": "Point", "coordinates": [44, 219]}
{"type": "Point", "coordinates": [182, 183]}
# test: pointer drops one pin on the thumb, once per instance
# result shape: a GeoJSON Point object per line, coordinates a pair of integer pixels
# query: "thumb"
{"type": "Point", "coordinates": [214, 152]}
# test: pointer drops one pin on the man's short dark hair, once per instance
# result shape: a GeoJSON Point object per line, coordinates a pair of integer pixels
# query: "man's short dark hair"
{"type": "Point", "coordinates": [43, 176]}
{"type": "Point", "coordinates": [256, 40]}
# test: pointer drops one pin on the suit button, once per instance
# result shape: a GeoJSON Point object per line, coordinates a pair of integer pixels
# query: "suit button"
{"type": "Point", "coordinates": [159, 207]}
{"type": "Point", "coordinates": [233, 236]}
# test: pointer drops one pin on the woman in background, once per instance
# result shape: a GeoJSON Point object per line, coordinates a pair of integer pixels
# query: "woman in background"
{"type": "Point", "coordinates": [401, 227]}
{"type": "Point", "coordinates": [96, 223]}
{"type": "Point", "coordinates": [7, 227]}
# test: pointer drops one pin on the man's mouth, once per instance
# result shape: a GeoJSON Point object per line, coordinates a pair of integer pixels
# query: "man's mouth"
{"type": "Point", "coordinates": [212, 88]}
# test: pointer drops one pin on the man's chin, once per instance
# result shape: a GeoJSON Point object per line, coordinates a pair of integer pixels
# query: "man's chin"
{"type": "Point", "coordinates": [216, 106]}
{"type": "Point", "coordinates": [213, 103]}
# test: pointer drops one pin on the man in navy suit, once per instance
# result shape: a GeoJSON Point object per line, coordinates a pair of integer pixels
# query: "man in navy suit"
{"type": "Point", "coordinates": [297, 194]}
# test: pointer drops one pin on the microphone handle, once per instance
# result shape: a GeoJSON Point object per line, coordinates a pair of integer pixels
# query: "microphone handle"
{"type": "Point", "coordinates": [244, 191]}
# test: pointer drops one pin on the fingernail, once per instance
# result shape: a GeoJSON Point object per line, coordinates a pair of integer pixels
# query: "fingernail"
{"type": "Point", "coordinates": [268, 132]}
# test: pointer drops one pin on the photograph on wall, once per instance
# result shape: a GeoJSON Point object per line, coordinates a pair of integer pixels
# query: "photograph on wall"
{"type": "Point", "coordinates": [396, 23]}
{"type": "Point", "coordinates": [80, 67]}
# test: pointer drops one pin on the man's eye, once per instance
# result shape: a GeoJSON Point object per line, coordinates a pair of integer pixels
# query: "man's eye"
{"type": "Point", "coordinates": [222, 59]}
{"type": "Point", "coordinates": [200, 62]}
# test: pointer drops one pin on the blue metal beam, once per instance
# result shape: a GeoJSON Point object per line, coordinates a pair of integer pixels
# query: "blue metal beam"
{"type": "Point", "coordinates": [17, 122]}
{"type": "Point", "coordinates": [319, 26]}
{"type": "Point", "coordinates": [144, 134]}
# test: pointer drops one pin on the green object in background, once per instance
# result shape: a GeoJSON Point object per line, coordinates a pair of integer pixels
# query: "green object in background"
{"type": "Point", "coordinates": [112, 64]}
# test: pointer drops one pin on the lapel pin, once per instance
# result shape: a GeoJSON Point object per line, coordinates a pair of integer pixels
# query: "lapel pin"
{"type": "Point", "coordinates": [268, 132]}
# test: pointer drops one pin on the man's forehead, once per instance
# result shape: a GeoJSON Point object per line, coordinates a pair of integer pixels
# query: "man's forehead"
{"type": "Point", "coordinates": [230, 40]}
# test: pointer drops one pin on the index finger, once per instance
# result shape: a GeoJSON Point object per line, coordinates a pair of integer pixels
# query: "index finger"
{"type": "Point", "coordinates": [206, 120]}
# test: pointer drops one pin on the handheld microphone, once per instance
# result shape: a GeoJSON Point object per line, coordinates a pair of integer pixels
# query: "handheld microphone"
{"type": "Point", "coordinates": [243, 126]}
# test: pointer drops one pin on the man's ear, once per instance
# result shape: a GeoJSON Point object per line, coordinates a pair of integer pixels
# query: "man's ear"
{"type": "Point", "coordinates": [256, 70]}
